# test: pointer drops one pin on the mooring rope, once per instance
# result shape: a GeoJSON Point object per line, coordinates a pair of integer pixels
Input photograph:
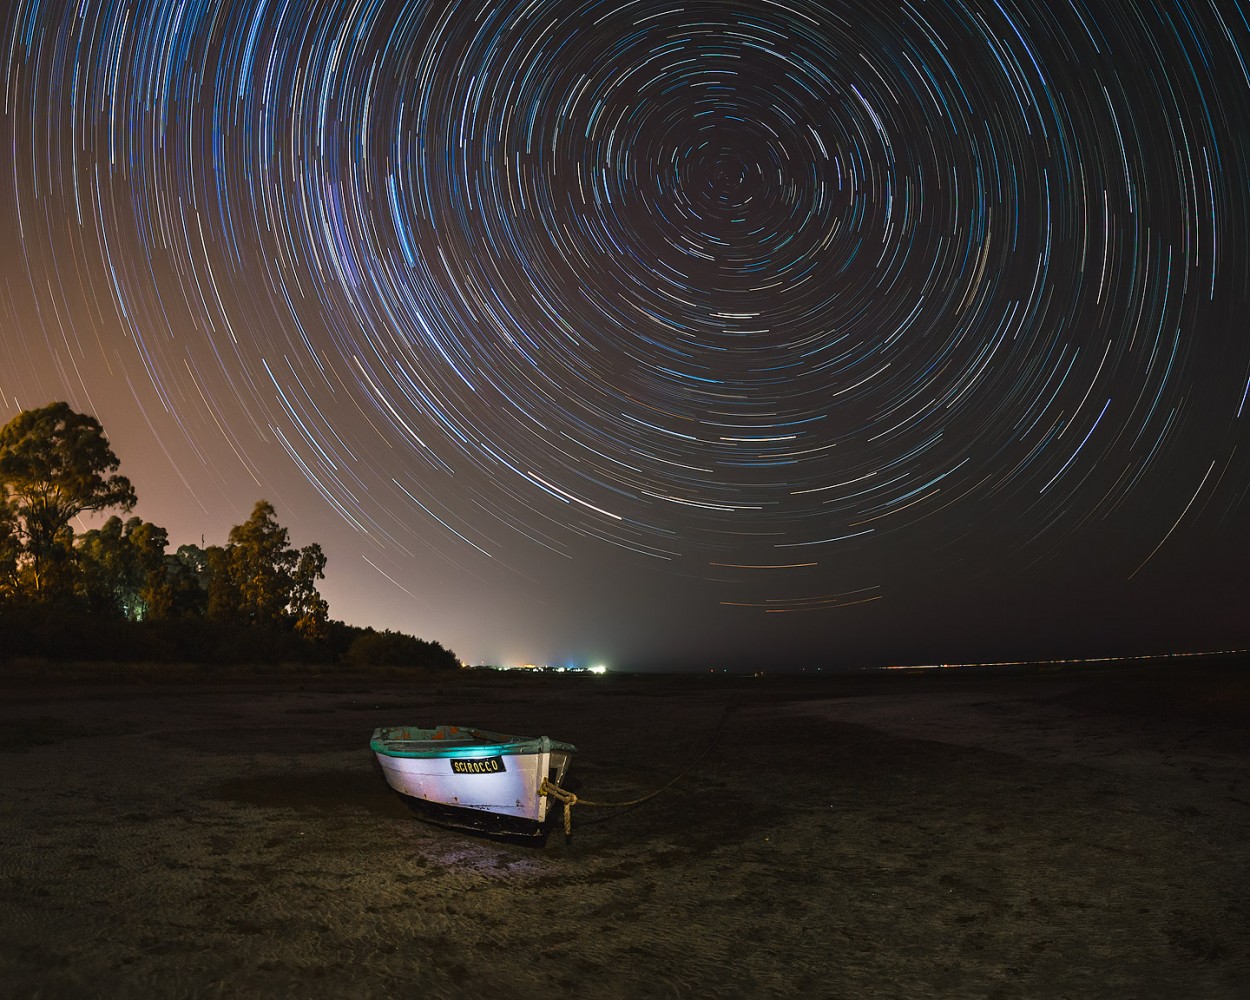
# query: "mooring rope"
{"type": "Point", "coordinates": [570, 799]}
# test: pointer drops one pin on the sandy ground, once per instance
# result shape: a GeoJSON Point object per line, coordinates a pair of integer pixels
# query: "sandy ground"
{"type": "Point", "coordinates": [1060, 834]}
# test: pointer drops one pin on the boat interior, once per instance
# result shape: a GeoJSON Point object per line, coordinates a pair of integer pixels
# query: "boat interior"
{"type": "Point", "coordinates": [446, 735]}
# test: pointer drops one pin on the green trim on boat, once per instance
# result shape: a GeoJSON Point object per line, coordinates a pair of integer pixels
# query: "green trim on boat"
{"type": "Point", "coordinates": [458, 741]}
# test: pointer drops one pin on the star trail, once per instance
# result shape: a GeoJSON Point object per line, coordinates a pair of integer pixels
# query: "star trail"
{"type": "Point", "coordinates": [661, 332]}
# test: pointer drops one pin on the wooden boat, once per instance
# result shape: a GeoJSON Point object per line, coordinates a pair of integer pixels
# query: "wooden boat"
{"type": "Point", "coordinates": [471, 779]}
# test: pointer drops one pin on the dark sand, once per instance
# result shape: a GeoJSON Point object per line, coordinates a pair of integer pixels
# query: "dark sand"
{"type": "Point", "coordinates": [1078, 834]}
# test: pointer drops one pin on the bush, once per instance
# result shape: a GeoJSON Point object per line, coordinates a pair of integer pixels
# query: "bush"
{"type": "Point", "coordinates": [64, 632]}
{"type": "Point", "coordinates": [395, 649]}
{"type": "Point", "coordinates": [67, 633]}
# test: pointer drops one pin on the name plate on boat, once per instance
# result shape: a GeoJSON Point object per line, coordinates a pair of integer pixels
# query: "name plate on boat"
{"type": "Point", "coordinates": [478, 765]}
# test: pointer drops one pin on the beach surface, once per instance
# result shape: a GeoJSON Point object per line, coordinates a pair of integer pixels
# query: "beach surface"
{"type": "Point", "coordinates": [1030, 833]}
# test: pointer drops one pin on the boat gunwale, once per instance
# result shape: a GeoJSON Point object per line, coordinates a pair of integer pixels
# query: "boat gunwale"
{"type": "Point", "coordinates": [500, 744]}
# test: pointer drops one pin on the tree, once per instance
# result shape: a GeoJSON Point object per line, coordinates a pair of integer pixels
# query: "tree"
{"type": "Point", "coordinates": [123, 569]}
{"type": "Point", "coordinates": [55, 464]}
{"type": "Point", "coordinates": [10, 549]}
{"type": "Point", "coordinates": [221, 595]}
{"type": "Point", "coordinates": [261, 567]}
{"type": "Point", "coordinates": [310, 610]}
{"type": "Point", "coordinates": [186, 581]}
{"type": "Point", "coordinates": [195, 560]}
{"type": "Point", "coordinates": [148, 542]}
{"type": "Point", "coordinates": [106, 569]}
{"type": "Point", "coordinates": [260, 580]}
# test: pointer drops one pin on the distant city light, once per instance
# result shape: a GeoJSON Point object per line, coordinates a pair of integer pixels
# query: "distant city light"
{"type": "Point", "coordinates": [544, 668]}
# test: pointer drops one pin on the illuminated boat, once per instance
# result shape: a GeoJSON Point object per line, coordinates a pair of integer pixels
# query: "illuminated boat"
{"type": "Point", "coordinates": [470, 779]}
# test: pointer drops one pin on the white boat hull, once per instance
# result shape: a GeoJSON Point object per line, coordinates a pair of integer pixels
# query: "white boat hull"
{"type": "Point", "coordinates": [468, 779]}
{"type": "Point", "coordinates": [512, 791]}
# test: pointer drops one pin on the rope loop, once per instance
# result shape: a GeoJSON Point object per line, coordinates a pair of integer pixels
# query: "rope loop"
{"type": "Point", "coordinates": [561, 795]}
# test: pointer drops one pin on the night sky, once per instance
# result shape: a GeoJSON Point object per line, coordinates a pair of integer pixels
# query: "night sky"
{"type": "Point", "coordinates": [661, 334]}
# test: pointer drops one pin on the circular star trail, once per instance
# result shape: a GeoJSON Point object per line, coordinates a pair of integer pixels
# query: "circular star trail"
{"type": "Point", "coordinates": [778, 297]}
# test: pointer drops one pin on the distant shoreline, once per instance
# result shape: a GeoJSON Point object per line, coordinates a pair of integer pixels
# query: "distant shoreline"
{"type": "Point", "coordinates": [32, 665]}
{"type": "Point", "coordinates": [1215, 684]}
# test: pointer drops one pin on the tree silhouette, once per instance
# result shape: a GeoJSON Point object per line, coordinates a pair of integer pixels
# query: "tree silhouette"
{"type": "Point", "coordinates": [123, 569]}
{"type": "Point", "coordinates": [261, 567]}
{"type": "Point", "coordinates": [310, 610]}
{"type": "Point", "coordinates": [55, 464]}
{"type": "Point", "coordinates": [185, 587]}
{"type": "Point", "coordinates": [115, 590]}
{"type": "Point", "coordinates": [10, 549]}
{"type": "Point", "coordinates": [259, 579]}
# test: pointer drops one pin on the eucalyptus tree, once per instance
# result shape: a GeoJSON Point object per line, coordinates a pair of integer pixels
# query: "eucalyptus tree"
{"type": "Point", "coordinates": [55, 464]}
{"type": "Point", "coordinates": [259, 579]}
{"type": "Point", "coordinates": [123, 568]}
{"type": "Point", "coordinates": [10, 550]}
{"type": "Point", "coordinates": [310, 610]}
